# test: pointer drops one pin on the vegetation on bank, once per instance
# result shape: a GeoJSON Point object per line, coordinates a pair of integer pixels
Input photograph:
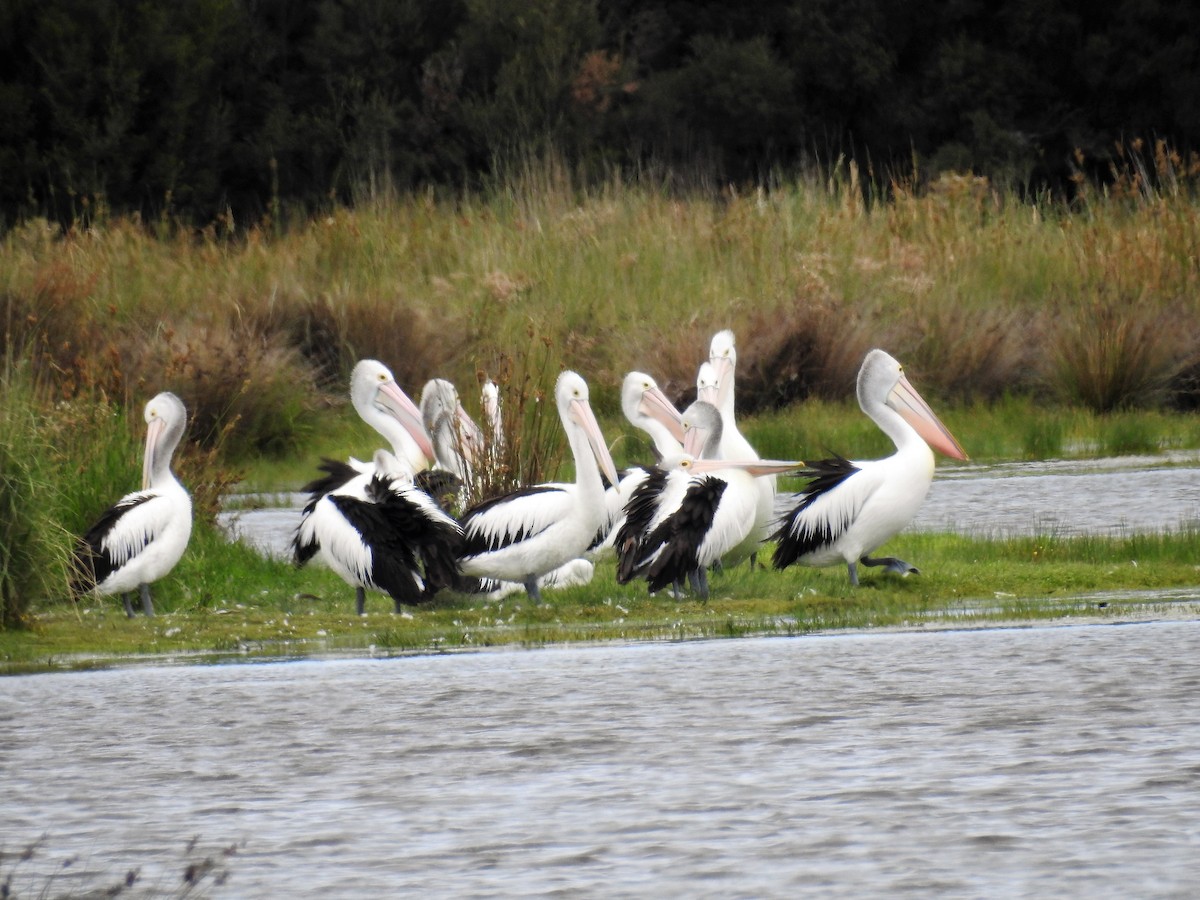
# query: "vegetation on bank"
{"type": "Point", "coordinates": [226, 602]}
{"type": "Point", "coordinates": [1035, 331]}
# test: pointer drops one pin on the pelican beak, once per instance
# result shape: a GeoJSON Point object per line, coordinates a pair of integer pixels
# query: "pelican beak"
{"type": "Point", "coordinates": [756, 467]}
{"type": "Point", "coordinates": [905, 400]}
{"type": "Point", "coordinates": [586, 420]}
{"type": "Point", "coordinates": [694, 439]}
{"type": "Point", "coordinates": [654, 403]}
{"type": "Point", "coordinates": [154, 432]}
{"type": "Point", "coordinates": [397, 403]}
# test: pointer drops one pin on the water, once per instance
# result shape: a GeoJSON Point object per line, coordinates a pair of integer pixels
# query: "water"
{"type": "Point", "coordinates": [997, 763]}
{"type": "Point", "coordinates": [1108, 497]}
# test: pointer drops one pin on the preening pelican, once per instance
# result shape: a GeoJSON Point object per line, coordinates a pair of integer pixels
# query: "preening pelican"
{"type": "Point", "coordinates": [141, 538]}
{"type": "Point", "coordinates": [722, 356]}
{"type": "Point", "coordinates": [457, 440]}
{"type": "Point", "coordinates": [380, 532]}
{"type": "Point", "coordinates": [367, 521]}
{"type": "Point", "coordinates": [851, 508]}
{"type": "Point", "coordinates": [534, 530]}
{"type": "Point", "coordinates": [689, 512]}
{"type": "Point", "coordinates": [648, 408]}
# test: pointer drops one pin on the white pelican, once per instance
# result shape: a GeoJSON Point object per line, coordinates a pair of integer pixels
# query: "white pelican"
{"type": "Point", "coordinates": [722, 356]}
{"type": "Point", "coordinates": [457, 440]}
{"type": "Point", "coordinates": [489, 401]}
{"type": "Point", "coordinates": [367, 521]}
{"type": "Point", "coordinates": [647, 408]}
{"type": "Point", "coordinates": [690, 512]}
{"type": "Point", "coordinates": [142, 537]}
{"type": "Point", "coordinates": [378, 531]}
{"type": "Point", "coordinates": [851, 508]}
{"type": "Point", "coordinates": [534, 530]}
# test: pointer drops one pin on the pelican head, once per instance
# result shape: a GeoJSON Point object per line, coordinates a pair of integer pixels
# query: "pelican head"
{"type": "Point", "coordinates": [489, 400]}
{"type": "Point", "coordinates": [574, 407]}
{"type": "Point", "coordinates": [706, 383]}
{"type": "Point", "coordinates": [380, 401]}
{"type": "Point", "coordinates": [702, 430]}
{"type": "Point", "coordinates": [692, 465]}
{"type": "Point", "coordinates": [166, 417]}
{"type": "Point", "coordinates": [881, 380]}
{"type": "Point", "coordinates": [453, 432]}
{"type": "Point", "coordinates": [723, 355]}
{"type": "Point", "coordinates": [647, 407]}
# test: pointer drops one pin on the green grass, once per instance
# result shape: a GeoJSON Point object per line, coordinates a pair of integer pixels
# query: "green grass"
{"type": "Point", "coordinates": [225, 602]}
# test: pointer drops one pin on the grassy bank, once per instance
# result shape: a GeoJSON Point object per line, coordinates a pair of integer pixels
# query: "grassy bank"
{"type": "Point", "coordinates": [225, 602]}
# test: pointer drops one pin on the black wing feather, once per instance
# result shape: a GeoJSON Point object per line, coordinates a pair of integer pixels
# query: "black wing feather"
{"type": "Point", "coordinates": [476, 541]}
{"type": "Point", "coordinates": [92, 563]}
{"type": "Point", "coordinates": [639, 512]}
{"type": "Point", "coordinates": [682, 534]}
{"type": "Point", "coordinates": [826, 474]}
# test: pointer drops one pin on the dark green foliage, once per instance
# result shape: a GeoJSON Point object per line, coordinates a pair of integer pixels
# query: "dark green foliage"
{"type": "Point", "coordinates": [227, 112]}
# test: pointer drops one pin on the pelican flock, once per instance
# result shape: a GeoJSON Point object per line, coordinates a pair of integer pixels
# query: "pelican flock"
{"type": "Point", "coordinates": [704, 502]}
{"type": "Point", "coordinates": [142, 536]}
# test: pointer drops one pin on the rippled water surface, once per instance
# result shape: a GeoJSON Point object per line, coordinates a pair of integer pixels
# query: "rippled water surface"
{"type": "Point", "coordinates": [1011, 762]}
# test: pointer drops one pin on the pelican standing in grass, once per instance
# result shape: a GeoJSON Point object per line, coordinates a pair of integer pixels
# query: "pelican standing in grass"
{"type": "Point", "coordinates": [532, 531]}
{"type": "Point", "coordinates": [851, 508]}
{"type": "Point", "coordinates": [690, 512]}
{"type": "Point", "coordinates": [367, 521]}
{"type": "Point", "coordinates": [380, 532]}
{"type": "Point", "coordinates": [141, 538]}
{"type": "Point", "coordinates": [722, 356]}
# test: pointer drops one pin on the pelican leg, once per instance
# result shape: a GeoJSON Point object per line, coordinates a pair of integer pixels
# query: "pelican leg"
{"type": "Point", "coordinates": [125, 598]}
{"type": "Point", "coordinates": [147, 604]}
{"type": "Point", "coordinates": [532, 589]}
{"type": "Point", "coordinates": [852, 568]}
{"type": "Point", "coordinates": [899, 566]}
{"type": "Point", "coordinates": [360, 601]}
{"type": "Point", "coordinates": [702, 584]}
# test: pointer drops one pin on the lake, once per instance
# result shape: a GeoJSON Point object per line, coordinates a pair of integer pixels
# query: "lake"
{"type": "Point", "coordinates": [1046, 761]}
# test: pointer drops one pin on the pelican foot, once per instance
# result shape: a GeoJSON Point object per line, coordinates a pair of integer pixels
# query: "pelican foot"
{"type": "Point", "coordinates": [125, 598]}
{"type": "Point", "coordinates": [891, 564]}
{"type": "Point", "coordinates": [532, 589]}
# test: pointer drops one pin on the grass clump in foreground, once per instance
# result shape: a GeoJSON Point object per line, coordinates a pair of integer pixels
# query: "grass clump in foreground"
{"type": "Point", "coordinates": [264, 609]}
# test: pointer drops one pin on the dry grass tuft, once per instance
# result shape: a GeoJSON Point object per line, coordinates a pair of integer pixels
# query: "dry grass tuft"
{"type": "Point", "coordinates": [1119, 351]}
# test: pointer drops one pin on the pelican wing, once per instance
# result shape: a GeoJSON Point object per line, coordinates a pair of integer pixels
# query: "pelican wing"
{"type": "Point", "coordinates": [512, 518]}
{"type": "Point", "coordinates": [337, 474]}
{"type": "Point", "coordinates": [825, 510]}
{"type": "Point", "coordinates": [671, 550]}
{"type": "Point", "coordinates": [118, 535]}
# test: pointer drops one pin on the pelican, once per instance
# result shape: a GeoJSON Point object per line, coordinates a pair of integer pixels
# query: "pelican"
{"type": "Point", "coordinates": [851, 508]}
{"type": "Point", "coordinates": [647, 408]}
{"type": "Point", "coordinates": [380, 532]}
{"type": "Point", "coordinates": [722, 356]}
{"type": "Point", "coordinates": [367, 521]}
{"type": "Point", "coordinates": [142, 537]}
{"type": "Point", "coordinates": [690, 512]}
{"type": "Point", "coordinates": [489, 401]}
{"type": "Point", "coordinates": [457, 440]}
{"type": "Point", "coordinates": [534, 530]}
